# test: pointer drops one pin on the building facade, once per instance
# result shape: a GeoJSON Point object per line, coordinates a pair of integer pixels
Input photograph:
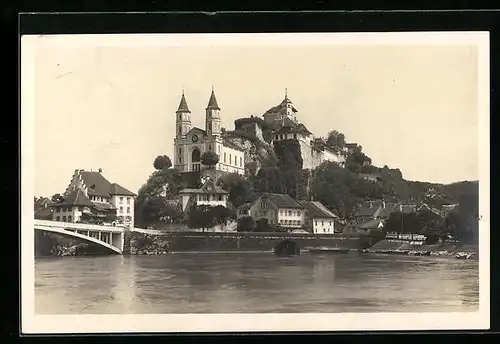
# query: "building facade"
{"type": "Point", "coordinates": [208, 195]}
{"type": "Point", "coordinates": [319, 219]}
{"type": "Point", "coordinates": [278, 209]}
{"type": "Point", "coordinates": [283, 118]}
{"type": "Point", "coordinates": [91, 197]}
{"type": "Point", "coordinates": [191, 142]}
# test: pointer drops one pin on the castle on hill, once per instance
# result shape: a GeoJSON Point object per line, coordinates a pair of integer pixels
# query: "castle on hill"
{"type": "Point", "coordinates": [279, 122]}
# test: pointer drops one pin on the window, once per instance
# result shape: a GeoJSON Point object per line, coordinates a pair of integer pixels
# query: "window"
{"type": "Point", "coordinates": [58, 218]}
{"type": "Point", "coordinates": [281, 221]}
{"type": "Point", "coordinates": [220, 197]}
{"type": "Point", "coordinates": [281, 211]}
{"type": "Point", "coordinates": [322, 223]}
{"type": "Point", "coordinates": [295, 136]}
{"type": "Point", "coordinates": [315, 223]}
{"type": "Point", "coordinates": [224, 156]}
{"type": "Point", "coordinates": [241, 161]}
{"type": "Point", "coordinates": [230, 159]}
{"type": "Point", "coordinates": [69, 218]}
{"type": "Point", "coordinates": [209, 147]}
{"type": "Point", "coordinates": [263, 205]}
{"type": "Point", "coordinates": [209, 126]}
{"type": "Point", "coordinates": [80, 208]}
{"type": "Point", "coordinates": [121, 199]}
{"type": "Point", "coordinates": [128, 200]}
{"type": "Point", "coordinates": [121, 209]}
{"type": "Point", "coordinates": [128, 210]}
{"type": "Point", "coordinates": [289, 213]}
{"type": "Point", "coordinates": [64, 218]}
{"type": "Point", "coordinates": [277, 137]}
{"type": "Point", "coordinates": [58, 210]}
{"type": "Point", "coordinates": [180, 130]}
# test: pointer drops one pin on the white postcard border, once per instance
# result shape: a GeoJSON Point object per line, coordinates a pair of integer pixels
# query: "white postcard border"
{"type": "Point", "coordinates": [32, 323]}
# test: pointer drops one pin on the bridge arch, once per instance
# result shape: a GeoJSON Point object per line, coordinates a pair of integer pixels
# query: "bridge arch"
{"type": "Point", "coordinates": [70, 234]}
{"type": "Point", "coordinates": [287, 247]}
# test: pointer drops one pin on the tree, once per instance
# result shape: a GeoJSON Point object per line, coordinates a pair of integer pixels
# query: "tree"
{"type": "Point", "coordinates": [162, 162]}
{"type": "Point", "coordinates": [240, 193]}
{"type": "Point", "coordinates": [209, 158]}
{"type": "Point", "coordinates": [151, 202]}
{"type": "Point", "coordinates": [246, 224]}
{"type": "Point", "coordinates": [251, 167]}
{"type": "Point", "coordinates": [335, 139]}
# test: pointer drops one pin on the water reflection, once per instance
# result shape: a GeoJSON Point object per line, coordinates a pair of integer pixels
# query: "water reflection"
{"type": "Point", "coordinates": [253, 282]}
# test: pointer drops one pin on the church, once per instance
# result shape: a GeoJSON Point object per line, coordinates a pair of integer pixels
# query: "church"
{"type": "Point", "coordinates": [191, 142]}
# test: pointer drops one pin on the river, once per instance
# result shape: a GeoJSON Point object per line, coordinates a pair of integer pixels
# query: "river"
{"type": "Point", "coordinates": [254, 283]}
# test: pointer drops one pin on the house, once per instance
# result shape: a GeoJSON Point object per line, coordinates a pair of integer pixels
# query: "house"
{"type": "Point", "coordinates": [191, 142]}
{"type": "Point", "coordinates": [426, 207]}
{"type": "Point", "coordinates": [42, 208]}
{"type": "Point", "coordinates": [209, 194]}
{"type": "Point", "coordinates": [318, 219]}
{"type": "Point", "coordinates": [355, 229]}
{"type": "Point", "coordinates": [91, 197]}
{"type": "Point", "coordinates": [370, 210]}
{"type": "Point", "coordinates": [276, 209]}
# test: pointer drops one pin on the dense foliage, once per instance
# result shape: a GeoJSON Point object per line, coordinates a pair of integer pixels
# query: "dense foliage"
{"type": "Point", "coordinates": [207, 217]}
{"type": "Point", "coordinates": [153, 204]}
{"type": "Point", "coordinates": [162, 162]}
{"type": "Point", "coordinates": [209, 158]}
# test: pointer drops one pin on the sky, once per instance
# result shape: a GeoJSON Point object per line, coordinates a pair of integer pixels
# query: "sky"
{"type": "Point", "coordinates": [112, 106]}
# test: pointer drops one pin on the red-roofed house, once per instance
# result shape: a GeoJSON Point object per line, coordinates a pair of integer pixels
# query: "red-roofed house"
{"type": "Point", "coordinates": [90, 196]}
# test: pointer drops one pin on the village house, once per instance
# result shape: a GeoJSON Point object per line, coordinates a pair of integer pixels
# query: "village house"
{"type": "Point", "coordinates": [277, 209]}
{"type": "Point", "coordinates": [353, 228]}
{"type": "Point", "coordinates": [42, 208]}
{"type": "Point", "coordinates": [370, 210]}
{"type": "Point", "coordinates": [90, 197]}
{"type": "Point", "coordinates": [319, 219]}
{"type": "Point", "coordinates": [209, 194]}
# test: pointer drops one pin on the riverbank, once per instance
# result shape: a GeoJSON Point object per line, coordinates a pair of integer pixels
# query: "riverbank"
{"type": "Point", "coordinates": [400, 247]}
{"type": "Point", "coordinates": [148, 244]}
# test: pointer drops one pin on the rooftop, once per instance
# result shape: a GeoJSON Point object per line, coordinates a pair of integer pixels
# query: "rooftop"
{"type": "Point", "coordinates": [99, 186]}
{"type": "Point", "coordinates": [282, 200]}
{"type": "Point", "coordinates": [316, 209]}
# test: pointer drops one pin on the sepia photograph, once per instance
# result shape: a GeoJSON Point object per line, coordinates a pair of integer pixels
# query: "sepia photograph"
{"type": "Point", "coordinates": [255, 182]}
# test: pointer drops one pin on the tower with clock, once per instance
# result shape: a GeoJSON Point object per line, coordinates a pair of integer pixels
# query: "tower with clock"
{"type": "Point", "coordinates": [191, 142]}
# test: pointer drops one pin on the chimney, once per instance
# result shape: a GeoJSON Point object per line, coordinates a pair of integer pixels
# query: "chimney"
{"type": "Point", "coordinates": [100, 170]}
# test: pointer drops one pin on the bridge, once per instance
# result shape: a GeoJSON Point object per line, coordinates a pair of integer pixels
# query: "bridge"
{"type": "Point", "coordinates": [110, 237]}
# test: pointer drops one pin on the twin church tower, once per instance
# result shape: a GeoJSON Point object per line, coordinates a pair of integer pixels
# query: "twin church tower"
{"type": "Point", "coordinates": [191, 142]}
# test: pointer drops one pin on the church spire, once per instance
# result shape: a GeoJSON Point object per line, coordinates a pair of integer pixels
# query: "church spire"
{"type": "Point", "coordinates": [212, 103]}
{"type": "Point", "coordinates": [286, 100]}
{"type": "Point", "coordinates": [183, 107]}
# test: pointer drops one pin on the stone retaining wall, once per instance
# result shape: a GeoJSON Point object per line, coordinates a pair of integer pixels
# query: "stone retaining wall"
{"type": "Point", "coordinates": [138, 243]}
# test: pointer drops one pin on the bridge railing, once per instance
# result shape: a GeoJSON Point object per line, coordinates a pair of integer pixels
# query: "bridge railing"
{"type": "Point", "coordinates": [82, 226]}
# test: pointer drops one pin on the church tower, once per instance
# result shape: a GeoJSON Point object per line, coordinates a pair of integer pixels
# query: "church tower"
{"type": "Point", "coordinates": [288, 108]}
{"type": "Point", "coordinates": [212, 117]}
{"type": "Point", "coordinates": [183, 118]}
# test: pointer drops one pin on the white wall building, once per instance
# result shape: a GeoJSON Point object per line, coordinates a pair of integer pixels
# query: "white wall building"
{"type": "Point", "coordinates": [319, 219]}
{"type": "Point", "coordinates": [191, 142]}
{"type": "Point", "coordinates": [287, 127]}
{"type": "Point", "coordinates": [91, 195]}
